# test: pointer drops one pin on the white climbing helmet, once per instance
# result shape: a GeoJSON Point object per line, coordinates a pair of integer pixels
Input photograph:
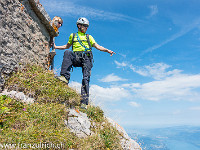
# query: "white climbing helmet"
{"type": "Point", "coordinates": [82, 20]}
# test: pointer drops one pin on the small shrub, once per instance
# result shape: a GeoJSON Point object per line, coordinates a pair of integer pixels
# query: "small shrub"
{"type": "Point", "coordinates": [8, 108]}
{"type": "Point", "coordinates": [110, 136]}
{"type": "Point", "coordinates": [95, 113]}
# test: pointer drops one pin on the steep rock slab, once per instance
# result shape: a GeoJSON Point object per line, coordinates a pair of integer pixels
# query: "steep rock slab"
{"type": "Point", "coordinates": [78, 123]}
{"type": "Point", "coordinates": [126, 142]}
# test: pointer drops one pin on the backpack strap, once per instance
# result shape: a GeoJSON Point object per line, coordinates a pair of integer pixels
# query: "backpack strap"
{"type": "Point", "coordinates": [88, 40]}
{"type": "Point", "coordinates": [73, 40]}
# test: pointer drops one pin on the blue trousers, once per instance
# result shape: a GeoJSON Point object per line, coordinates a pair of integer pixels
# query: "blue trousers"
{"type": "Point", "coordinates": [79, 59]}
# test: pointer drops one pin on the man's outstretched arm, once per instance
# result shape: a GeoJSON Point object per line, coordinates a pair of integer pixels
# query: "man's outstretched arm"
{"type": "Point", "coordinates": [67, 46]}
{"type": "Point", "coordinates": [101, 48]}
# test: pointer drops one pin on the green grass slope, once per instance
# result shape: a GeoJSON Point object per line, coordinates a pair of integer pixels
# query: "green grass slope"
{"type": "Point", "coordinates": [41, 124]}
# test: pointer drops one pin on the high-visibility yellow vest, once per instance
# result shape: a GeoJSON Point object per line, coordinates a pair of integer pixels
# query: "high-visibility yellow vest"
{"type": "Point", "coordinates": [81, 42]}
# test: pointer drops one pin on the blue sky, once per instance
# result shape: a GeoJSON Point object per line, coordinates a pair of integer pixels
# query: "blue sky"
{"type": "Point", "coordinates": [154, 78]}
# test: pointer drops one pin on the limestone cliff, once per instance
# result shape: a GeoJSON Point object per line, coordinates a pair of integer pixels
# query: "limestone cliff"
{"type": "Point", "coordinates": [24, 35]}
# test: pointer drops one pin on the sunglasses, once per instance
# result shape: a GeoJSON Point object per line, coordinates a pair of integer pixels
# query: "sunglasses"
{"type": "Point", "coordinates": [85, 25]}
{"type": "Point", "coordinates": [60, 23]}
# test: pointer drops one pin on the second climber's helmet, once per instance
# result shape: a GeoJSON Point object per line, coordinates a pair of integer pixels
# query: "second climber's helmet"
{"type": "Point", "coordinates": [82, 20]}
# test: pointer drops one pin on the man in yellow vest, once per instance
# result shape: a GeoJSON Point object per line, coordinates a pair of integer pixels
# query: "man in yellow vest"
{"type": "Point", "coordinates": [80, 56]}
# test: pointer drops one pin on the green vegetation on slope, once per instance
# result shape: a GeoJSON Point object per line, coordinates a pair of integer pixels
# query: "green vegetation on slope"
{"type": "Point", "coordinates": [43, 121]}
{"type": "Point", "coordinates": [42, 85]}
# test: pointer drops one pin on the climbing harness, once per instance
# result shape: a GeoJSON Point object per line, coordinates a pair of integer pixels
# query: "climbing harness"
{"type": "Point", "coordinates": [87, 51]}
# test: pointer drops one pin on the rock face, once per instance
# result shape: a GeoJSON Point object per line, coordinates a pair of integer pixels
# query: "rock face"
{"type": "Point", "coordinates": [78, 123]}
{"type": "Point", "coordinates": [18, 95]}
{"type": "Point", "coordinates": [126, 142]}
{"type": "Point", "coordinates": [24, 35]}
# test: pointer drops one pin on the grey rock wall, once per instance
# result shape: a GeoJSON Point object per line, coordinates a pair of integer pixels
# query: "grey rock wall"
{"type": "Point", "coordinates": [24, 37]}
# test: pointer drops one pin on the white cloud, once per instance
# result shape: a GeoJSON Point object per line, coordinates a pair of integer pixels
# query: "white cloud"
{"type": "Point", "coordinates": [121, 54]}
{"type": "Point", "coordinates": [184, 29]}
{"type": "Point", "coordinates": [195, 108]}
{"type": "Point", "coordinates": [154, 10]}
{"type": "Point", "coordinates": [112, 78]}
{"type": "Point", "coordinates": [120, 65]}
{"type": "Point", "coordinates": [70, 8]}
{"type": "Point", "coordinates": [131, 85]}
{"type": "Point", "coordinates": [156, 71]}
{"type": "Point", "coordinates": [109, 94]}
{"type": "Point", "coordinates": [134, 104]}
{"type": "Point", "coordinates": [172, 85]}
{"type": "Point", "coordinates": [98, 93]}
{"type": "Point", "coordinates": [168, 84]}
{"type": "Point", "coordinates": [76, 86]}
{"type": "Point", "coordinates": [180, 87]}
{"type": "Point", "coordinates": [176, 112]}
